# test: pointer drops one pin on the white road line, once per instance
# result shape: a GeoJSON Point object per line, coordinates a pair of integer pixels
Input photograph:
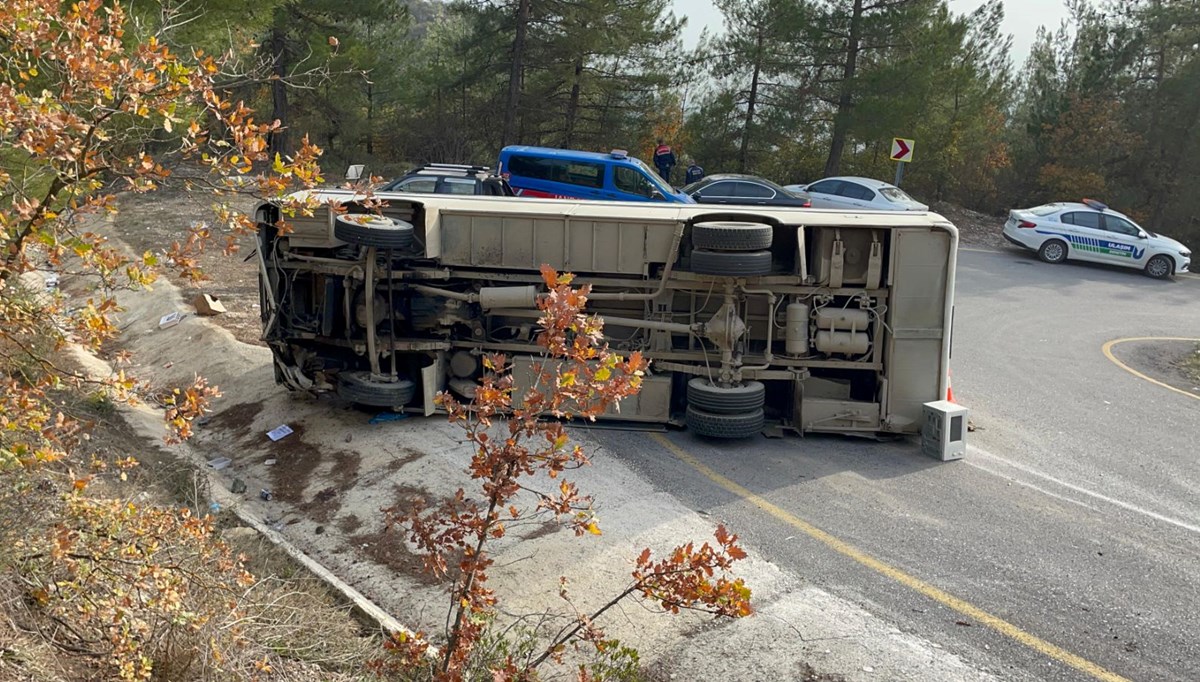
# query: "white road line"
{"type": "Point", "coordinates": [1079, 489]}
{"type": "Point", "coordinates": [1032, 486]}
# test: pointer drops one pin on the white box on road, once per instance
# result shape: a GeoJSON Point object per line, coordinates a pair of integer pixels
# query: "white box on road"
{"type": "Point", "coordinates": [944, 431]}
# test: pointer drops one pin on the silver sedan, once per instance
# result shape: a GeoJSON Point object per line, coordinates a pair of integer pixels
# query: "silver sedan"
{"type": "Point", "coordinates": [858, 194]}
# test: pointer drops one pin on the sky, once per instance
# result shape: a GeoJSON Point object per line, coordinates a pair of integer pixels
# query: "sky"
{"type": "Point", "coordinates": [1021, 19]}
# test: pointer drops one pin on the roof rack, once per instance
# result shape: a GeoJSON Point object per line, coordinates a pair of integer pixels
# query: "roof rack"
{"type": "Point", "coordinates": [452, 166]}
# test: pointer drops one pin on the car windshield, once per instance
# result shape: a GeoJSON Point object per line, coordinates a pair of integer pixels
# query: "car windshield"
{"type": "Point", "coordinates": [654, 178]}
{"type": "Point", "coordinates": [896, 195]}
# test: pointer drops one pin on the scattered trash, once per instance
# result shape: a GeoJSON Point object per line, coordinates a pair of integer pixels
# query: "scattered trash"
{"type": "Point", "coordinates": [214, 507]}
{"type": "Point", "coordinates": [383, 417]}
{"type": "Point", "coordinates": [868, 669]}
{"type": "Point", "coordinates": [270, 462]}
{"type": "Point", "coordinates": [169, 365]}
{"type": "Point", "coordinates": [963, 623]}
{"type": "Point", "coordinates": [320, 530]}
{"type": "Point", "coordinates": [279, 432]}
{"type": "Point", "coordinates": [265, 494]}
{"type": "Point", "coordinates": [349, 437]}
{"type": "Point", "coordinates": [203, 420]}
{"type": "Point", "coordinates": [207, 305]}
{"type": "Point", "coordinates": [51, 282]}
{"type": "Point", "coordinates": [238, 486]}
{"type": "Point", "coordinates": [169, 320]}
{"type": "Point", "coordinates": [220, 463]}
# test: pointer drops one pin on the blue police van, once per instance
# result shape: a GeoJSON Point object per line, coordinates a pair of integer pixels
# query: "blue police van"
{"type": "Point", "coordinates": [568, 174]}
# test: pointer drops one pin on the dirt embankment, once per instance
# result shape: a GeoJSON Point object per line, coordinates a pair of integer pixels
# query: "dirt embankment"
{"type": "Point", "coordinates": [152, 222]}
{"type": "Point", "coordinates": [975, 229]}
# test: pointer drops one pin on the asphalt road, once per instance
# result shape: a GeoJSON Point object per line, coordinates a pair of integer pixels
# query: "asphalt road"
{"type": "Point", "coordinates": [1067, 544]}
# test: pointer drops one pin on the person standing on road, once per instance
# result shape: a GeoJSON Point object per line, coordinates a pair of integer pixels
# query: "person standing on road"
{"type": "Point", "coordinates": [694, 173]}
{"type": "Point", "coordinates": [664, 160]}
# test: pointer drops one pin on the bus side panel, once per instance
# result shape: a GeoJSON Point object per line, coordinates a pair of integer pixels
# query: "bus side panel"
{"type": "Point", "coordinates": [526, 242]}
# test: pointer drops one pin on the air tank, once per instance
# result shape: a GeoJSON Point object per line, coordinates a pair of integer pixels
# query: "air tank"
{"type": "Point", "coordinates": [842, 319]}
{"type": "Point", "coordinates": [845, 343]}
{"type": "Point", "coordinates": [796, 329]}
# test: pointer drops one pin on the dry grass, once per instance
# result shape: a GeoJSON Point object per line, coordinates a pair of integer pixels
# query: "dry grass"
{"type": "Point", "coordinates": [1191, 365]}
{"type": "Point", "coordinates": [286, 620]}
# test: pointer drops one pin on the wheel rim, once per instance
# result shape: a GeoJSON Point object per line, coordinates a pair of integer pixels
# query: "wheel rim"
{"type": "Point", "coordinates": [1158, 267]}
{"type": "Point", "coordinates": [1054, 251]}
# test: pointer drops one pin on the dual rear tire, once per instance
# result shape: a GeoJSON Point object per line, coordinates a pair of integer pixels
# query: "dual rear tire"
{"type": "Point", "coordinates": [727, 412]}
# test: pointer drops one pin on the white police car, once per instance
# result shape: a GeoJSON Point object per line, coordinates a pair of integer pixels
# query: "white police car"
{"type": "Point", "coordinates": [1093, 232]}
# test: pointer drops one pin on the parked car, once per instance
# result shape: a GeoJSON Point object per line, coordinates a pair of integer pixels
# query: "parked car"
{"type": "Point", "coordinates": [858, 194]}
{"type": "Point", "coordinates": [450, 178]}
{"type": "Point", "coordinates": [744, 190]}
{"type": "Point", "coordinates": [568, 174]}
{"type": "Point", "coordinates": [1091, 231]}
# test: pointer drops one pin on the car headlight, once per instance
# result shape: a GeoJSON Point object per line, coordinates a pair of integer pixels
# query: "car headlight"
{"type": "Point", "coordinates": [1185, 253]}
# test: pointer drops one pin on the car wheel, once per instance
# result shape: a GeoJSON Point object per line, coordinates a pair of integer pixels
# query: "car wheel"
{"type": "Point", "coordinates": [1053, 251]}
{"type": "Point", "coordinates": [1160, 267]}
{"type": "Point", "coordinates": [703, 395]}
{"type": "Point", "coordinates": [731, 236]}
{"type": "Point", "coordinates": [360, 387]}
{"type": "Point", "coordinates": [731, 263]}
{"type": "Point", "coordinates": [727, 426]}
{"type": "Point", "coordinates": [372, 230]}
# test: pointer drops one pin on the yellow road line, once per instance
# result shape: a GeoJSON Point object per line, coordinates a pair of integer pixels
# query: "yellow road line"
{"type": "Point", "coordinates": [850, 551]}
{"type": "Point", "coordinates": [1109, 354]}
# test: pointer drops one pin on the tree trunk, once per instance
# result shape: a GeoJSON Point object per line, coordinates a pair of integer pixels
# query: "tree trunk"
{"type": "Point", "coordinates": [744, 152]}
{"type": "Point", "coordinates": [515, 73]}
{"type": "Point", "coordinates": [573, 104]}
{"type": "Point", "coordinates": [279, 143]}
{"type": "Point", "coordinates": [841, 120]}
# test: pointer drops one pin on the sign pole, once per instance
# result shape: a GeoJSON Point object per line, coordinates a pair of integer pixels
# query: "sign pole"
{"type": "Point", "coordinates": [899, 172]}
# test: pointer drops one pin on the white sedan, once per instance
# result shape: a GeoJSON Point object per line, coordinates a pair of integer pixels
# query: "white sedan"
{"type": "Point", "coordinates": [1094, 232]}
{"type": "Point", "coordinates": [858, 194]}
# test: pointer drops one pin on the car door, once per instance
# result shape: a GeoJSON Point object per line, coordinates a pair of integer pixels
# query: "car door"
{"type": "Point", "coordinates": [855, 195]}
{"type": "Point", "coordinates": [752, 193]}
{"type": "Point", "coordinates": [421, 184]}
{"type": "Point", "coordinates": [1125, 244]}
{"type": "Point", "coordinates": [719, 192]}
{"type": "Point", "coordinates": [1086, 234]}
{"type": "Point", "coordinates": [824, 194]}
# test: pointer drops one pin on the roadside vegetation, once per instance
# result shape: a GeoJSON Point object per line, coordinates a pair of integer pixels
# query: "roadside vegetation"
{"type": "Point", "coordinates": [108, 572]}
{"type": "Point", "coordinates": [1191, 365]}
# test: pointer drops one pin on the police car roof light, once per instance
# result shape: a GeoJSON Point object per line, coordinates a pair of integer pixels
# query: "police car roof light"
{"type": "Point", "coordinates": [1092, 203]}
{"type": "Point", "coordinates": [619, 154]}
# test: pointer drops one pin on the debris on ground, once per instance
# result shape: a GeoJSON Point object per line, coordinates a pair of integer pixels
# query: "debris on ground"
{"type": "Point", "coordinates": [208, 305]}
{"type": "Point", "coordinates": [280, 432]}
{"type": "Point", "coordinates": [169, 320]}
{"type": "Point", "coordinates": [219, 463]}
{"type": "Point", "coordinates": [237, 487]}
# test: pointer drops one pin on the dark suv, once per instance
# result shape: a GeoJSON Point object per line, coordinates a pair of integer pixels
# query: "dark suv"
{"type": "Point", "coordinates": [450, 178]}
